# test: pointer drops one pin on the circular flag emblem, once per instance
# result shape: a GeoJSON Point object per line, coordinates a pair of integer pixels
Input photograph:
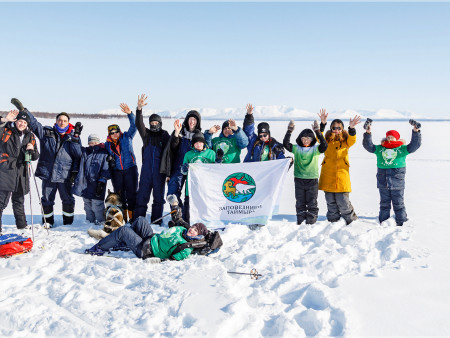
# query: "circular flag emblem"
{"type": "Point", "coordinates": [239, 187]}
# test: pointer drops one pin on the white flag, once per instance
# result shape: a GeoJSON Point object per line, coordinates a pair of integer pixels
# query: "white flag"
{"type": "Point", "coordinates": [246, 193]}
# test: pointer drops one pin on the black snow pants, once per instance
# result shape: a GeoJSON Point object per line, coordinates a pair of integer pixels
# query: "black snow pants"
{"type": "Point", "coordinates": [306, 191]}
{"type": "Point", "coordinates": [18, 200]}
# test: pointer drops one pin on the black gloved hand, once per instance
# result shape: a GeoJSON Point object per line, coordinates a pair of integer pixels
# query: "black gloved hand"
{"type": "Point", "coordinates": [111, 162]}
{"type": "Point", "coordinates": [78, 128]}
{"type": "Point", "coordinates": [18, 104]}
{"type": "Point", "coordinates": [414, 123]}
{"type": "Point", "coordinates": [100, 188]}
{"type": "Point", "coordinates": [219, 155]}
{"type": "Point", "coordinates": [73, 176]}
{"type": "Point", "coordinates": [368, 123]}
{"type": "Point", "coordinates": [185, 168]}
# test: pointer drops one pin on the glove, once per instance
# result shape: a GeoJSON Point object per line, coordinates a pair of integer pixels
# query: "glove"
{"type": "Point", "coordinates": [367, 124]}
{"type": "Point", "coordinates": [185, 168]}
{"type": "Point", "coordinates": [414, 123]}
{"type": "Point", "coordinates": [291, 126]}
{"type": "Point", "coordinates": [100, 188]}
{"type": "Point", "coordinates": [111, 162]}
{"type": "Point", "coordinates": [219, 155]}
{"type": "Point", "coordinates": [78, 128]}
{"type": "Point", "coordinates": [315, 126]}
{"type": "Point", "coordinates": [73, 176]}
{"type": "Point", "coordinates": [17, 103]}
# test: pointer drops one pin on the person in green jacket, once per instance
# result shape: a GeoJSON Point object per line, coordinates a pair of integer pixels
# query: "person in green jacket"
{"type": "Point", "coordinates": [229, 143]}
{"type": "Point", "coordinates": [199, 154]}
{"type": "Point", "coordinates": [144, 243]}
{"type": "Point", "coordinates": [391, 162]}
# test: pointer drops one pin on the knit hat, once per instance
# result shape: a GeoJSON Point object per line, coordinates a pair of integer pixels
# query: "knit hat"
{"type": "Point", "coordinates": [263, 127]}
{"type": "Point", "coordinates": [226, 124]}
{"type": "Point", "coordinates": [198, 137]}
{"type": "Point", "coordinates": [394, 133]}
{"type": "Point", "coordinates": [23, 116]}
{"type": "Point", "coordinates": [201, 228]}
{"type": "Point", "coordinates": [64, 114]}
{"type": "Point", "coordinates": [93, 138]}
{"type": "Point", "coordinates": [113, 127]}
{"type": "Point", "coordinates": [336, 121]}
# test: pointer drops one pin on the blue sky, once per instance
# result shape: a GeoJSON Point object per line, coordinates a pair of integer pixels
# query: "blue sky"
{"type": "Point", "coordinates": [85, 57]}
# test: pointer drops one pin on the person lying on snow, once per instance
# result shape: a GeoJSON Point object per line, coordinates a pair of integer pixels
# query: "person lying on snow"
{"type": "Point", "coordinates": [173, 243]}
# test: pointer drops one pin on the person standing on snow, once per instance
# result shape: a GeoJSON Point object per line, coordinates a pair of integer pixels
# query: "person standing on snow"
{"type": "Point", "coordinates": [306, 170]}
{"type": "Point", "coordinates": [123, 164]}
{"type": "Point", "coordinates": [16, 140]}
{"type": "Point", "coordinates": [199, 154]}
{"type": "Point", "coordinates": [154, 141]}
{"type": "Point", "coordinates": [335, 174]}
{"type": "Point", "coordinates": [229, 144]}
{"type": "Point", "coordinates": [179, 144]}
{"type": "Point", "coordinates": [261, 146]}
{"type": "Point", "coordinates": [58, 164]}
{"type": "Point", "coordinates": [90, 183]}
{"type": "Point", "coordinates": [391, 162]}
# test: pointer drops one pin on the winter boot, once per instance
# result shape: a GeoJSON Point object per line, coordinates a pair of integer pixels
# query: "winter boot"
{"type": "Point", "coordinates": [95, 251]}
{"type": "Point", "coordinates": [48, 215]}
{"type": "Point", "coordinates": [301, 216]}
{"type": "Point", "coordinates": [68, 210]}
{"type": "Point", "coordinates": [17, 103]}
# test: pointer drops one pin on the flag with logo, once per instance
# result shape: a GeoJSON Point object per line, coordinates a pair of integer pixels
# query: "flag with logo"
{"type": "Point", "coordinates": [246, 193]}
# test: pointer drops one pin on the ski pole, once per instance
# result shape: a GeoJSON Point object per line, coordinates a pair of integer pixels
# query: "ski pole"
{"type": "Point", "coordinates": [163, 216]}
{"type": "Point", "coordinates": [40, 201]}
{"type": "Point", "coordinates": [31, 205]}
{"type": "Point", "coordinates": [253, 273]}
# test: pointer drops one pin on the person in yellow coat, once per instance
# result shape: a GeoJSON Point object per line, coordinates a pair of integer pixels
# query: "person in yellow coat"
{"type": "Point", "coordinates": [335, 176]}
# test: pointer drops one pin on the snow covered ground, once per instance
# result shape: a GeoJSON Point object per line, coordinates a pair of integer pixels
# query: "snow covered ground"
{"type": "Point", "coordinates": [325, 280]}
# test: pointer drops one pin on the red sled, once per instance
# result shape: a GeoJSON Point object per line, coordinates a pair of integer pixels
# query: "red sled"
{"type": "Point", "coordinates": [12, 244]}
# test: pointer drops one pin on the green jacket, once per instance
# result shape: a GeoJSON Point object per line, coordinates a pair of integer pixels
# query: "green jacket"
{"type": "Point", "coordinates": [164, 243]}
{"type": "Point", "coordinates": [195, 156]}
{"type": "Point", "coordinates": [230, 145]}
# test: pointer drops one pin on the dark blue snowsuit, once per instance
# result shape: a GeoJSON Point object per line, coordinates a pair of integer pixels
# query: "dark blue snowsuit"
{"type": "Point", "coordinates": [255, 147]}
{"type": "Point", "coordinates": [151, 178]}
{"type": "Point", "coordinates": [174, 153]}
{"type": "Point", "coordinates": [59, 160]}
{"type": "Point", "coordinates": [125, 173]}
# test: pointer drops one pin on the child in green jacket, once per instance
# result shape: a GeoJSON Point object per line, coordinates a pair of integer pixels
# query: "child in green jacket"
{"type": "Point", "coordinates": [199, 154]}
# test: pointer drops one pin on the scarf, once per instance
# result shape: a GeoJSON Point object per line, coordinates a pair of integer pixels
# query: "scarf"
{"type": "Point", "coordinates": [392, 144]}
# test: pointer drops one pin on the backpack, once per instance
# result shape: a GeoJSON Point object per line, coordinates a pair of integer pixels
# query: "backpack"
{"type": "Point", "coordinates": [210, 244]}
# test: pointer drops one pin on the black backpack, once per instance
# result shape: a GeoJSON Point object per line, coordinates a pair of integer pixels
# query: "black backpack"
{"type": "Point", "coordinates": [210, 244]}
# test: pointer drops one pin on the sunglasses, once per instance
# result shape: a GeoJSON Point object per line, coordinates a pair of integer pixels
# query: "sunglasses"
{"type": "Point", "coordinates": [336, 128]}
{"type": "Point", "coordinates": [114, 132]}
{"type": "Point", "coordinates": [263, 135]}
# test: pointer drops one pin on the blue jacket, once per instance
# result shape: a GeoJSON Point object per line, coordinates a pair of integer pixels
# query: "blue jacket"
{"type": "Point", "coordinates": [60, 156]}
{"type": "Point", "coordinates": [255, 147]}
{"type": "Point", "coordinates": [124, 158]}
{"type": "Point", "coordinates": [94, 168]}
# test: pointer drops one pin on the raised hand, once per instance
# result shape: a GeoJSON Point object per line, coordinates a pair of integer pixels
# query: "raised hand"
{"type": "Point", "coordinates": [323, 116]}
{"type": "Point", "coordinates": [177, 127]}
{"type": "Point", "coordinates": [125, 108]}
{"type": "Point", "coordinates": [291, 126]}
{"type": "Point", "coordinates": [250, 109]}
{"type": "Point", "coordinates": [12, 115]}
{"type": "Point", "coordinates": [232, 124]}
{"type": "Point", "coordinates": [315, 126]}
{"type": "Point", "coordinates": [354, 121]}
{"type": "Point", "coordinates": [141, 101]}
{"type": "Point", "coordinates": [214, 129]}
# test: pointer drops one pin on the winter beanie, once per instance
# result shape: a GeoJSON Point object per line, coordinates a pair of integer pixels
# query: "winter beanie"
{"type": "Point", "coordinates": [23, 116]}
{"type": "Point", "coordinates": [64, 114]}
{"type": "Point", "coordinates": [201, 228]}
{"type": "Point", "coordinates": [336, 121]}
{"type": "Point", "coordinates": [93, 138]}
{"type": "Point", "coordinates": [198, 137]}
{"type": "Point", "coordinates": [263, 127]}
{"type": "Point", "coordinates": [113, 127]}
{"type": "Point", "coordinates": [394, 133]}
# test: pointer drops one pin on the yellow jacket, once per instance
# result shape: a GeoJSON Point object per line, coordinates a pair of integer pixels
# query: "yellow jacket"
{"type": "Point", "coordinates": [335, 175]}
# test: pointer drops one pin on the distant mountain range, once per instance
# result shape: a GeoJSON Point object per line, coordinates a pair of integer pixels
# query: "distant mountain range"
{"type": "Point", "coordinates": [276, 113]}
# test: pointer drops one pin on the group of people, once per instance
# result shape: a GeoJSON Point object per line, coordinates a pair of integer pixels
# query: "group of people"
{"type": "Point", "coordinates": [64, 165]}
